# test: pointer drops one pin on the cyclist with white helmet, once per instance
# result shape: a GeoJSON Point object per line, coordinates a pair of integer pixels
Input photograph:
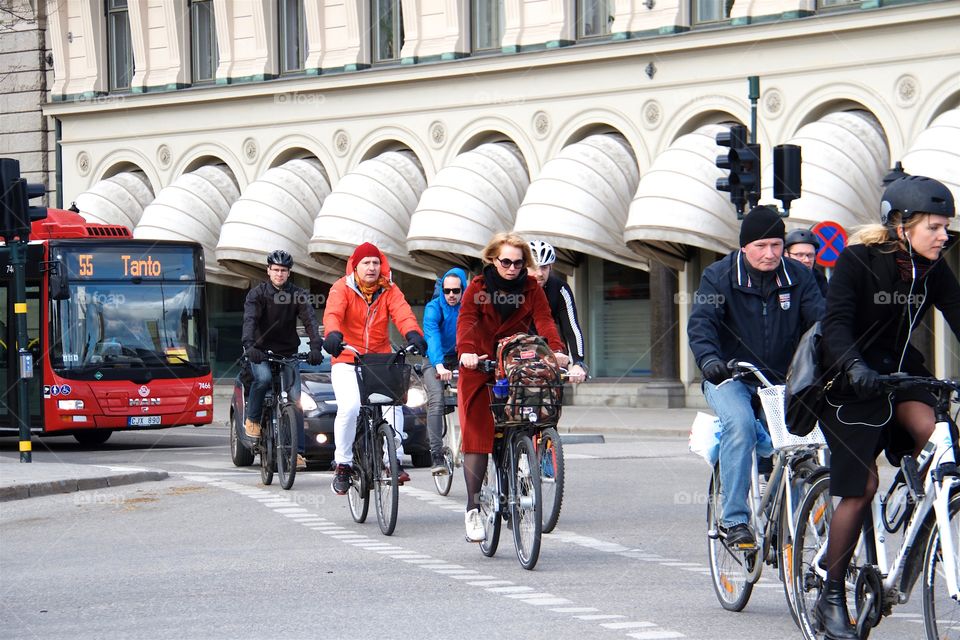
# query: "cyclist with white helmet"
{"type": "Point", "coordinates": [562, 306]}
{"type": "Point", "coordinates": [270, 315]}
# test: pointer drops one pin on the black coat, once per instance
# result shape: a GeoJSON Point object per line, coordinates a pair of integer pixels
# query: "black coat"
{"type": "Point", "coordinates": [732, 319]}
{"type": "Point", "coordinates": [270, 318]}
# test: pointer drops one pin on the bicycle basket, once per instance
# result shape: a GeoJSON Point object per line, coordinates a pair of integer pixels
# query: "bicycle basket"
{"type": "Point", "coordinates": [773, 407]}
{"type": "Point", "coordinates": [384, 378]}
{"type": "Point", "coordinates": [515, 405]}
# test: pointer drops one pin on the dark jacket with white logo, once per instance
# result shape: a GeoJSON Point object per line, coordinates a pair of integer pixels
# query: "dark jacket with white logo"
{"type": "Point", "coordinates": [270, 318]}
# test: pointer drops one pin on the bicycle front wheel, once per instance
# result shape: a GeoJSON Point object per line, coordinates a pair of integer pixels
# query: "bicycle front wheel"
{"type": "Point", "coordinates": [550, 454]}
{"type": "Point", "coordinates": [941, 613]}
{"type": "Point", "coordinates": [385, 486]}
{"type": "Point", "coordinates": [266, 447]}
{"type": "Point", "coordinates": [526, 502]}
{"type": "Point", "coordinates": [728, 567]}
{"type": "Point", "coordinates": [489, 504]}
{"type": "Point", "coordinates": [813, 524]}
{"type": "Point", "coordinates": [286, 445]}
{"type": "Point", "coordinates": [445, 481]}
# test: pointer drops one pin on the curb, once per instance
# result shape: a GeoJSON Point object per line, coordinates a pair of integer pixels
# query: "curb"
{"type": "Point", "coordinates": [70, 485]}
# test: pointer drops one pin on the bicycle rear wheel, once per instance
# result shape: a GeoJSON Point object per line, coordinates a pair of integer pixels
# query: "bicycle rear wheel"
{"type": "Point", "coordinates": [489, 504]}
{"type": "Point", "coordinates": [385, 484]}
{"type": "Point", "coordinates": [287, 446]}
{"type": "Point", "coordinates": [444, 482]}
{"type": "Point", "coordinates": [526, 502]}
{"type": "Point", "coordinates": [358, 495]}
{"type": "Point", "coordinates": [941, 614]}
{"type": "Point", "coordinates": [550, 454]}
{"type": "Point", "coordinates": [728, 567]}
{"type": "Point", "coordinates": [266, 447]}
{"type": "Point", "coordinates": [813, 524]}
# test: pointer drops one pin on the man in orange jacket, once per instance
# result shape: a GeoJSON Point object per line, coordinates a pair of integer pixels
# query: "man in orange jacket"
{"type": "Point", "coordinates": [359, 308]}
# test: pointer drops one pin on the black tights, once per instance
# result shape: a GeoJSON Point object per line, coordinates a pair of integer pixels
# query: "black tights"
{"type": "Point", "coordinates": [918, 419]}
{"type": "Point", "coordinates": [474, 468]}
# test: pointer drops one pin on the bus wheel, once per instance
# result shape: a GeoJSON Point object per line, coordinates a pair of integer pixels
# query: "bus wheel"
{"type": "Point", "coordinates": [98, 436]}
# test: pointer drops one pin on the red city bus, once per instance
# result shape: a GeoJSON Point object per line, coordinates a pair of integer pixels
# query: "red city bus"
{"type": "Point", "coordinates": [117, 328]}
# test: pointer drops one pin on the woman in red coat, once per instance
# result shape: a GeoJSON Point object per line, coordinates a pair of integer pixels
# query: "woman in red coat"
{"type": "Point", "coordinates": [499, 302]}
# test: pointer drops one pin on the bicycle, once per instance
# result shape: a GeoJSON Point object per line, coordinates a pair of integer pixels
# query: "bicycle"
{"type": "Point", "coordinates": [511, 488]}
{"type": "Point", "coordinates": [549, 448]}
{"type": "Point", "coordinates": [923, 502]}
{"type": "Point", "coordinates": [375, 463]}
{"type": "Point", "coordinates": [277, 444]}
{"type": "Point", "coordinates": [796, 462]}
{"type": "Point", "coordinates": [452, 455]}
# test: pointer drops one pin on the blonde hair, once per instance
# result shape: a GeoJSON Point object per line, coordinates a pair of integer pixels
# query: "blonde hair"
{"type": "Point", "coordinates": [885, 236]}
{"type": "Point", "coordinates": [492, 250]}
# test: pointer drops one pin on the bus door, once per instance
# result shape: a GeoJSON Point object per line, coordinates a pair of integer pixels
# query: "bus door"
{"type": "Point", "coordinates": [9, 360]}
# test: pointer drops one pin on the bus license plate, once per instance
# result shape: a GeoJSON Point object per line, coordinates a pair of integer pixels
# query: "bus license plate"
{"type": "Point", "coordinates": [143, 421]}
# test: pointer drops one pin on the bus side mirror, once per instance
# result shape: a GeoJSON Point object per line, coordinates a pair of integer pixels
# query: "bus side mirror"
{"type": "Point", "coordinates": [59, 285]}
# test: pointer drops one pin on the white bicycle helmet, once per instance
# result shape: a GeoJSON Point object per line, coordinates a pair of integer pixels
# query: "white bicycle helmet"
{"type": "Point", "coordinates": [543, 253]}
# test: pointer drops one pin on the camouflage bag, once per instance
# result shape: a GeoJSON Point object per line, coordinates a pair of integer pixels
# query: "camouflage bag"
{"type": "Point", "coordinates": [534, 388]}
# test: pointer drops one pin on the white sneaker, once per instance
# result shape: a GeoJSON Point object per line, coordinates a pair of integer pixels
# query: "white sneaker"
{"type": "Point", "coordinates": [474, 524]}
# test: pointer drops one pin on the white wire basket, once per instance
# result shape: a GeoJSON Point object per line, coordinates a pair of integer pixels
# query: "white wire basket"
{"type": "Point", "coordinates": [772, 399]}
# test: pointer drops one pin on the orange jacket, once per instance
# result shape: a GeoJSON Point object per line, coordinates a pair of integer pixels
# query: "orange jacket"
{"type": "Point", "coordinates": [364, 326]}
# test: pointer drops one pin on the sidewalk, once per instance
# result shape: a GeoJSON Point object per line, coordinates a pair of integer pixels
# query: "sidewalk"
{"type": "Point", "coordinates": [19, 481]}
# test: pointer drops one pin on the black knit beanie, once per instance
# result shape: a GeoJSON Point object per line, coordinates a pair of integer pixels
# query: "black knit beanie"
{"type": "Point", "coordinates": [761, 223]}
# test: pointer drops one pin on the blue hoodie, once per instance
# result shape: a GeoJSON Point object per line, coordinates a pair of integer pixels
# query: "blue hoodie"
{"type": "Point", "coordinates": [440, 320]}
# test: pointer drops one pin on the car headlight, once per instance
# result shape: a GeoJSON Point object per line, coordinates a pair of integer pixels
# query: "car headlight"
{"type": "Point", "coordinates": [307, 403]}
{"type": "Point", "coordinates": [416, 397]}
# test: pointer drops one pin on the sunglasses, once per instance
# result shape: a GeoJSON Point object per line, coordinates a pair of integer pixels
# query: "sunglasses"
{"type": "Point", "coordinates": [449, 291]}
{"type": "Point", "coordinates": [506, 264]}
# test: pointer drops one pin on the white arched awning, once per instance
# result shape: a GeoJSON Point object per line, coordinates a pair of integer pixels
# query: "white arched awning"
{"type": "Point", "coordinates": [845, 157]}
{"type": "Point", "coordinates": [677, 204]}
{"type": "Point", "coordinates": [277, 211]}
{"type": "Point", "coordinates": [579, 202]}
{"type": "Point", "coordinates": [119, 199]}
{"type": "Point", "coordinates": [470, 200]}
{"type": "Point", "coordinates": [193, 208]}
{"type": "Point", "coordinates": [371, 203]}
{"type": "Point", "coordinates": [936, 154]}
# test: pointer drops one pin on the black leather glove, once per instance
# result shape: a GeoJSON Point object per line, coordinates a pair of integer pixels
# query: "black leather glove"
{"type": "Point", "coordinates": [415, 340]}
{"type": "Point", "coordinates": [716, 371]}
{"type": "Point", "coordinates": [254, 355]}
{"type": "Point", "coordinates": [333, 343]}
{"type": "Point", "coordinates": [316, 355]}
{"type": "Point", "coordinates": [862, 379]}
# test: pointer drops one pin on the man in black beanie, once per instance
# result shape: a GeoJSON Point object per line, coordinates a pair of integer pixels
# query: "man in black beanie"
{"type": "Point", "coordinates": [752, 305]}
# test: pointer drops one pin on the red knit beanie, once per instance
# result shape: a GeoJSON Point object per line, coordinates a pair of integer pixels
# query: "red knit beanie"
{"type": "Point", "coordinates": [365, 250]}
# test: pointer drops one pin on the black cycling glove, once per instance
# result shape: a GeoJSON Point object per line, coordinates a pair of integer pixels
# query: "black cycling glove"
{"type": "Point", "coordinates": [333, 343]}
{"type": "Point", "coordinates": [415, 340]}
{"type": "Point", "coordinates": [862, 379]}
{"type": "Point", "coordinates": [316, 356]}
{"type": "Point", "coordinates": [715, 371]}
{"type": "Point", "coordinates": [254, 355]}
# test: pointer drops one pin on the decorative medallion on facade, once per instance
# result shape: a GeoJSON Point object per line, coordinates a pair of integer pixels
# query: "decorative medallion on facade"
{"type": "Point", "coordinates": [250, 150]}
{"type": "Point", "coordinates": [652, 114]}
{"type": "Point", "coordinates": [438, 134]}
{"type": "Point", "coordinates": [83, 163]}
{"type": "Point", "coordinates": [163, 156]}
{"type": "Point", "coordinates": [341, 142]}
{"type": "Point", "coordinates": [907, 90]}
{"type": "Point", "coordinates": [541, 124]}
{"type": "Point", "coordinates": [772, 103]}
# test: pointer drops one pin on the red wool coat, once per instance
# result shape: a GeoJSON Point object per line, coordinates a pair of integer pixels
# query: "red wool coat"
{"type": "Point", "coordinates": [479, 328]}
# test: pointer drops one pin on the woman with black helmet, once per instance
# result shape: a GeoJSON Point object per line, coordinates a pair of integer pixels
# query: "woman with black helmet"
{"type": "Point", "coordinates": [802, 245]}
{"type": "Point", "coordinates": [883, 284]}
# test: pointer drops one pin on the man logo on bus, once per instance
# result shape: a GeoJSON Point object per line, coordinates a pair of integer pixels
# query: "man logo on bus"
{"type": "Point", "coordinates": [144, 391]}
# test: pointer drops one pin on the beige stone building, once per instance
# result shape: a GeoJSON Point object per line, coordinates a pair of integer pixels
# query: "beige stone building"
{"type": "Point", "coordinates": [427, 125]}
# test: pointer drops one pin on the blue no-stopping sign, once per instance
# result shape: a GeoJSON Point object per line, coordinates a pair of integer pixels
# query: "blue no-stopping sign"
{"type": "Point", "coordinates": [833, 238]}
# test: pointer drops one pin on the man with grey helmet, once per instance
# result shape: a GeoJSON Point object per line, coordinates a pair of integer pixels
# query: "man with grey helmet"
{"type": "Point", "coordinates": [802, 245]}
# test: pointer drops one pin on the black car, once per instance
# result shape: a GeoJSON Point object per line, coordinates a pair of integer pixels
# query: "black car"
{"type": "Point", "coordinates": [320, 409]}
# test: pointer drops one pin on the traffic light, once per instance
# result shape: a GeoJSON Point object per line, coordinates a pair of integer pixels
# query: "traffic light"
{"type": "Point", "coordinates": [787, 161]}
{"type": "Point", "coordinates": [15, 196]}
{"type": "Point", "coordinates": [743, 163]}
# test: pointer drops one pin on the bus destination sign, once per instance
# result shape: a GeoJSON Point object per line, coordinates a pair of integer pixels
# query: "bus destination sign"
{"type": "Point", "coordinates": [129, 263]}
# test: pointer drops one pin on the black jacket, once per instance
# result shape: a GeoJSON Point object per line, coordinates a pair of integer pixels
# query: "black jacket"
{"type": "Point", "coordinates": [564, 311]}
{"type": "Point", "coordinates": [867, 297]}
{"type": "Point", "coordinates": [732, 319]}
{"type": "Point", "coordinates": [270, 318]}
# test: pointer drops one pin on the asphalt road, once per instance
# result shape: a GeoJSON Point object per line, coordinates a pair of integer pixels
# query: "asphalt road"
{"type": "Point", "coordinates": [210, 553]}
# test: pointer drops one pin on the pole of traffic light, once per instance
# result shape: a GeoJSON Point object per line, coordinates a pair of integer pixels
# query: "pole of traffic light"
{"type": "Point", "coordinates": [754, 82]}
{"type": "Point", "coordinates": [18, 259]}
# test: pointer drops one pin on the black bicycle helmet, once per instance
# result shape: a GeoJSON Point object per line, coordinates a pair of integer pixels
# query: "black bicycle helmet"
{"type": "Point", "coordinates": [281, 258]}
{"type": "Point", "coordinates": [801, 236]}
{"type": "Point", "coordinates": [916, 194]}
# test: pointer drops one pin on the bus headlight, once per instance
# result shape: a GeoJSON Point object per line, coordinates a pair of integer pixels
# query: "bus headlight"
{"type": "Point", "coordinates": [205, 400]}
{"type": "Point", "coordinates": [416, 397]}
{"type": "Point", "coordinates": [307, 403]}
{"type": "Point", "coordinates": [70, 405]}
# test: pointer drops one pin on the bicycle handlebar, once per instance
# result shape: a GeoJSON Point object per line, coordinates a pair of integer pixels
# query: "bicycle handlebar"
{"type": "Point", "coordinates": [904, 380]}
{"type": "Point", "coordinates": [741, 368]}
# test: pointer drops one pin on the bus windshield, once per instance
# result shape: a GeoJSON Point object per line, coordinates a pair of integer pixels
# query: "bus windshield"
{"type": "Point", "coordinates": [129, 322]}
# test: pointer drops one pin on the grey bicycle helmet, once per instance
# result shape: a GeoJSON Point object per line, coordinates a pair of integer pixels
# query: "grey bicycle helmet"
{"type": "Point", "coordinates": [543, 253]}
{"type": "Point", "coordinates": [281, 258]}
{"type": "Point", "coordinates": [801, 236]}
{"type": "Point", "coordinates": [916, 194]}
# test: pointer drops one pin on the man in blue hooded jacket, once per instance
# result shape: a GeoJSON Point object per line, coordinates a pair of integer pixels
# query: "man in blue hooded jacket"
{"type": "Point", "coordinates": [440, 331]}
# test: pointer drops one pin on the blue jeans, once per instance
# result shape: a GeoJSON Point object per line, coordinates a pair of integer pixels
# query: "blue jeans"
{"type": "Point", "coordinates": [738, 439]}
{"type": "Point", "coordinates": [262, 381]}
